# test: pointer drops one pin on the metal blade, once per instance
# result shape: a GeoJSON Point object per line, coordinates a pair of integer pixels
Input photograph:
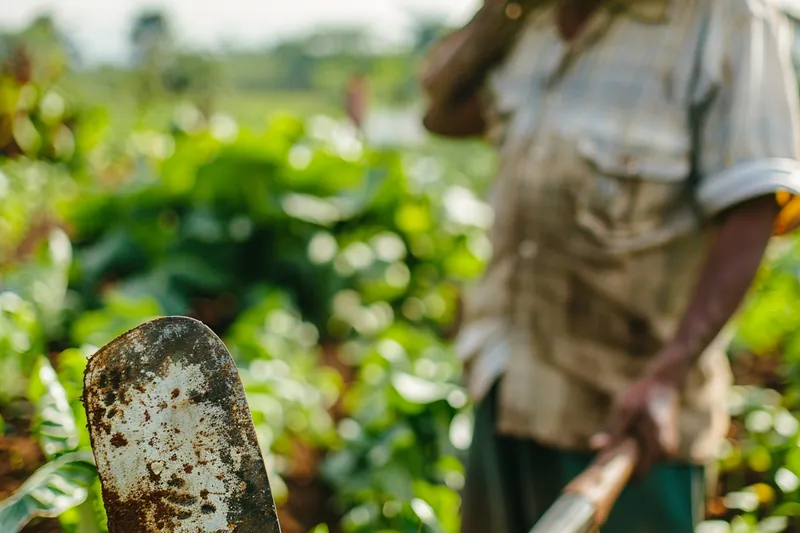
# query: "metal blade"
{"type": "Point", "coordinates": [172, 434]}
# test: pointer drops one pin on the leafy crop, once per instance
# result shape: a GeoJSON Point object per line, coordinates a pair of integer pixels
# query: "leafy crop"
{"type": "Point", "coordinates": [331, 270]}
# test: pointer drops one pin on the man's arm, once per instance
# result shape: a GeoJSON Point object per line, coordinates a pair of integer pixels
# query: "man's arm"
{"type": "Point", "coordinates": [760, 134]}
{"type": "Point", "coordinates": [752, 155]}
{"type": "Point", "coordinates": [729, 270]}
{"type": "Point", "coordinates": [728, 273]}
{"type": "Point", "coordinates": [456, 67]}
{"type": "Point", "coordinates": [448, 62]}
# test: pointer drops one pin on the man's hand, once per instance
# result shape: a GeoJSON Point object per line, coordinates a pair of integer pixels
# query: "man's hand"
{"type": "Point", "coordinates": [648, 409]}
{"type": "Point", "coordinates": [648, 412]}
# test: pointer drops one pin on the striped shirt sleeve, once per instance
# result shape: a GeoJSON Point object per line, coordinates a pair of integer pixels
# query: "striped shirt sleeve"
{"type": "Point", "coordinates": [749, 142]}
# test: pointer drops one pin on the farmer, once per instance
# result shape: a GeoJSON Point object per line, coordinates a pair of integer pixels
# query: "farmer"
{"type": "Point", "coordinates": [647, 148]}
{"type": "Point", "coordinates": [356, 99]}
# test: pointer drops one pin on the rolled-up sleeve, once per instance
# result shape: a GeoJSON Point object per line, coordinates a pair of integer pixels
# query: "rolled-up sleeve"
{"type": "Point", "coordinates": [749, 141]}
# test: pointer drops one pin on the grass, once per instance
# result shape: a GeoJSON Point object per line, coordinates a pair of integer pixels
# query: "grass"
{"type": "Point", "coordinates": [115, 91]}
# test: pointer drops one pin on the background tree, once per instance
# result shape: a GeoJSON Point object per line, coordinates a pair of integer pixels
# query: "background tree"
{"type": "Point", "coordinates": [153, 48]}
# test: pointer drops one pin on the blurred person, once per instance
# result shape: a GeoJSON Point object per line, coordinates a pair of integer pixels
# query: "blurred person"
{"type": "Point", "coordinates": [647, 152]}
{"type": "Point", "coordinates": [19, 64]}
{"type": "Point", "coordinates": [356, 99]}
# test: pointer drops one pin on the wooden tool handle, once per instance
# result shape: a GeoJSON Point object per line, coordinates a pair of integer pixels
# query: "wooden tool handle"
{"type": "Point", "coordinates": [587, 501]}
{"type": "Point", "coordinates": [603, 481]}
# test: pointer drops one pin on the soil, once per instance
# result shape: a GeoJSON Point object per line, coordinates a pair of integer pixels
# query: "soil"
{"type": "Point", "coordinates": [20, 456]}
{"type": "Point", "coordinates": [310, 499]}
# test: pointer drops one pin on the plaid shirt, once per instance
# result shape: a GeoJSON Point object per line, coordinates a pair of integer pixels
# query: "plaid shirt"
{"type": "Point", "coordinates": [600, 227]}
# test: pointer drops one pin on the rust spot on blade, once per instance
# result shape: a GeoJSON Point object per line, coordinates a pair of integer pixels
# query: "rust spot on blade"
{"type": "Point", "coordinates": [172, 434]}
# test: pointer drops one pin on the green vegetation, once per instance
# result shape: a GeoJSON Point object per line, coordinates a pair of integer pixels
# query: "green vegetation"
{"type": "Point", "coordinates": [329, 268]}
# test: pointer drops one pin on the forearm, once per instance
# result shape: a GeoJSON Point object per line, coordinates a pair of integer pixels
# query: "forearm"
{"type": "Point", "coordinates": [453, 108]}
{"type": "Point", "coordinates": [725, 278]}
{"type": "Point", "coordinates": [442, 66]}
{"type": "Point", "coordinates": [457, 64]}
{"type": "Point", "coordinates": [455, 69]}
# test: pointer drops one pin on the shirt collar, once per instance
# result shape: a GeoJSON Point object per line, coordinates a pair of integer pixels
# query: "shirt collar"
{"type": "Point", "coordinates": [650, 11]}
{"type": "Point", "coordinates": [647, 11]}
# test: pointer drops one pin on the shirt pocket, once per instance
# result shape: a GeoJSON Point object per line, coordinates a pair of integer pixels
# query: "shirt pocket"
{"type": "Point", "coordinates": [630, 198]}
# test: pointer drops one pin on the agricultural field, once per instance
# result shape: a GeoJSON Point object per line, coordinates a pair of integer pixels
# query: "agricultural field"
{"type": "Point", "coordinates": [329, 266]}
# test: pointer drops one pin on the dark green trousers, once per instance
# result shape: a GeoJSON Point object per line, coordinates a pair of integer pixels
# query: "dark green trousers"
{"type": "Point", "coordinates": [511, 482]}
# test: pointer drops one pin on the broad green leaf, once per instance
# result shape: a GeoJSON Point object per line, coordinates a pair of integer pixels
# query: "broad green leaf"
{"type": "Point", "coordinates": [57, 486]}
{"type": "Point", "coordinates": [113, 249]}
{"type": "Point", "coordinates": [71, 366]}
{"type": "Point", "coordinates": [418, 390]}
{"type": "Point", "coordinates": [122, 312]}
{"type": "Point", "coordinates": [42, 280]}
{"type": "Point", "coordinates": [773, 524]}
{"type": "Point", "coordinates": [20, 337]}
{"type": "Point", "coordinates": [196, 272]}
{"type": "Point", "coordinates": [88, 517]}
{"type": "Point", "coordinates": [414, 218]}
{"type": "Point", "coordinates": [80, 519]}
{"type": "Point", "coordinates": [54, 424]}
{"type": "Point", "coordinates": [443, 500]}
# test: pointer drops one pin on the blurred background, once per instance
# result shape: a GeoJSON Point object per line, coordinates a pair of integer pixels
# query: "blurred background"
{"type": "Point", "coordinates": [261, 166]}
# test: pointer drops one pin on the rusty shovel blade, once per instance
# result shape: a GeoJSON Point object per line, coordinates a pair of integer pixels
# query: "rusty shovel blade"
{"type": "Point", "coordinates": [172, 435]}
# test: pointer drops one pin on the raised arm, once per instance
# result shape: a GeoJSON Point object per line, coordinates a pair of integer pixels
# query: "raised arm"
{"type": "Point", "coordinates": [455, 69]}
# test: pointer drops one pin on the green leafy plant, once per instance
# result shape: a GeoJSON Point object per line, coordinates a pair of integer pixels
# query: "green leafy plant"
{"type": "Point", "coordinates": [55, 488]}
{"type": "Point", "coordinates": [65, 480]}
{"type": "Point", "coordinates": [331, 270]}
